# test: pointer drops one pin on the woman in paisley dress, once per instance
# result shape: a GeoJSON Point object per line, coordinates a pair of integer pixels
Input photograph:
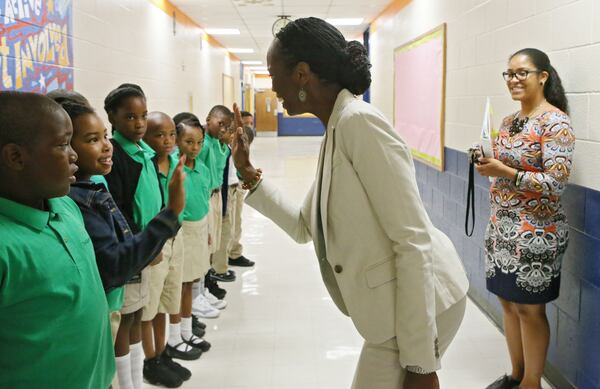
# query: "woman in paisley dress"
{"type": "Point", "coordinates": [528, 232]}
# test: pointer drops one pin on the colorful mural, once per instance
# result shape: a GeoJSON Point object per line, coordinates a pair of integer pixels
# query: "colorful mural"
{"type": "Point", "coordinates": [36, 45]}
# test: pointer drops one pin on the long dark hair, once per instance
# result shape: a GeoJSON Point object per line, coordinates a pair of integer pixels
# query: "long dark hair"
{"type": "Point", "coordinates": [553, 89]}
{"type": "Point", "coordinates": [324, 48]}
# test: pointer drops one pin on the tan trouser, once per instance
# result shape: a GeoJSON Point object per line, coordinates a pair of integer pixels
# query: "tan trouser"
{"type": "Point", "coordinates": [220, 258]}
{"type": "Point", "coordinates": [237, 205]}
{"type": "Point", "coordinates": [379, 364]}
{"type": "Point", "coordinates": [215, 218]}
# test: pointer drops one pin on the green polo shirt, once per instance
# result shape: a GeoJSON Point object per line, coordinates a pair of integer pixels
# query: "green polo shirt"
{"type": "Point", "coordinates": [207, 156]}
{"type": "Point", "coordinates": [115, 297]}
{"type": "Point", "coordinates": [54, 324]}
{"type": "Point", "coordinates": [164, 180]}
{"type": "Point", "coordinates": [197, 191]}
{"type": "Point", "coordinates": [147, 198]}
{"type": "Point", "coordinates": [221, 155]}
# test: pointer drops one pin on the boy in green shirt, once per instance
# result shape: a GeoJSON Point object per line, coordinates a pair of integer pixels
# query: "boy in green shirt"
{"type": "Point", "coordinates": [54, 327]}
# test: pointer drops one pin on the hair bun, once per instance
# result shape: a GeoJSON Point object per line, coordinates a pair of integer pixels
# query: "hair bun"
{"type": "Point", "coordinates": [355, 73]}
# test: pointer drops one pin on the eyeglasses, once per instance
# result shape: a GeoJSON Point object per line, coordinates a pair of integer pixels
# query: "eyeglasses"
{"type": "Point", "coordinates": [521, 74]}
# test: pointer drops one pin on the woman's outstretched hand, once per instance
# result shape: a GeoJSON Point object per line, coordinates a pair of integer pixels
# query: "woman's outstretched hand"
{"type": "Point", "coordinates": [240, 148]}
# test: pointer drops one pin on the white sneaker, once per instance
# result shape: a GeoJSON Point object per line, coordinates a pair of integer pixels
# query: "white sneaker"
{"type": "Point", "coordinates": [212, 300]}
{"type": "Point", "coordinates": [202, 308]}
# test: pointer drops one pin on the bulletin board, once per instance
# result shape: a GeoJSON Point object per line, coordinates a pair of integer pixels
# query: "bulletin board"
{"type": "Point", "coordinates": [419, 95]}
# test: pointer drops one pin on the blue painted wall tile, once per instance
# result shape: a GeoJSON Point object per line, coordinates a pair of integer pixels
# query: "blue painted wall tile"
{"type": "Point", "coordinates": [589, 355]}
{"type": "Point", "coordinates": [444, 183]}
{"type": "Point", "coordinates": [589, 263]}
{"type": "Point", "coordinates": [462, 163]}
{"type": "Point", "coordinates": [573, 200]}
{"type": "Point", "coordinates": [570, 294]}
{"type": "Point", "coordinates": [592, 213]}
{"type": "Point", "coordinates": [451, 158]}
{"type": "Point", "coordinates": [458, 190]}
{"type": "Point", "coordinates": [567, 341]}
{"type": "Point", "coordinates": [583, 382]}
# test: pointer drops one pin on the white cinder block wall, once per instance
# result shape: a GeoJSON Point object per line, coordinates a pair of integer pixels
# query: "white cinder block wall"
{"type": "Point", "coordinates": [481, 35]}
{"type": "Point", "coordinates": [118, 41]}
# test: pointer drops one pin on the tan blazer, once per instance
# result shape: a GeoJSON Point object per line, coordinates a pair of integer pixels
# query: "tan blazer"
{"type": "Point", "coordinates": [382, 260]}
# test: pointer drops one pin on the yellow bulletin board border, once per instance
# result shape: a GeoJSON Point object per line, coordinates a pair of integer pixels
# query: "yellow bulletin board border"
{"type": "Point", "coordinates": [436, 33]}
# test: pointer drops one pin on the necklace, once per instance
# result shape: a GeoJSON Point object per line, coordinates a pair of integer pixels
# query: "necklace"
{"type": "Point", "coordinates": [518, 125]}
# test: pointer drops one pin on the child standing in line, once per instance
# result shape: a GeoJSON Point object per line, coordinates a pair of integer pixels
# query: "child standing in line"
{"type": "Point", "coordinates": [190, 137]}
{"type": "Point", "coordinates": [134, 185]}
{"type": "Point", "coordinates": [54, 327]}
{"type": "Point", "coordinates": [166, 277]}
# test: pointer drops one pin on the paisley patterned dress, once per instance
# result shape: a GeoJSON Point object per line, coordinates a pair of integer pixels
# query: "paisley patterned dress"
{"type": "Point", "coordinates": [528, 232]}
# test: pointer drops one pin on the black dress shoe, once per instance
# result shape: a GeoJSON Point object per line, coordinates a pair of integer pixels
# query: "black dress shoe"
{"type": "Point", "coordinates": [198, 323]}
{"type": "Point", "coordinates": [228, 276]}
{"type": "Point", "coordinates": [241, 262]}
{"type": "Point", "coordinates": [199, 344]}
{"type": "Point", "coordinates": [504, 382]}
{"type": "Point", "coordinates": [189, 354]}
{"type": "Point", "coordinates": [175, 367]}
{"type": "Point", "coordinates": [158, 373]}
{"type": "Point", "coordinates": [214, 288]}
{"type": "Point", "coordinates": [199, 332]}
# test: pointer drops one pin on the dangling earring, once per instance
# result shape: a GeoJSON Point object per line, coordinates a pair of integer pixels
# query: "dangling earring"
{"type": "Point", "coordinates": [302, 95]}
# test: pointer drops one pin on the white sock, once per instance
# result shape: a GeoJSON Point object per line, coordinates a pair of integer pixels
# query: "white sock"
{"type": "Point", "coordinates": [137, 365]}
{"type": "Point", "coordinates": [197, 289]}
{"type": "Point", "coordinates": [186, 327]}
{"type": "Point", "coordinates": [124, 371]}
{"type": "Point", "coordinates": [174, 334]}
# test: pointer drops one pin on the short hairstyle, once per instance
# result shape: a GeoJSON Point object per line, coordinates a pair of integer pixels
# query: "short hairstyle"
{"type": "Point", "coordinates": [59, 95]}
{"type": "Point", "coordinates": [157, 117]}
{"type": "Point", "coordinates": [220, 109]}
{"type": "Point", "coordinates": [72, 102]}
{"type": "Point", "coordinates": [23, 114]}
{"type": "Point", "coordinates": [329, 55]}
{"type": "Point", "coordinates": [245, 114]}
{"type": "Point", "coordinates": [189, 123]}
{"type": "Point", "coordinates": [115, 97]}
{"type": "Point", "coordinates": [181, 116]}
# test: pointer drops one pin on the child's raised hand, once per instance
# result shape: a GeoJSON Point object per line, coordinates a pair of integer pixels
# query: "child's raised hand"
{"type": "Point", "coordinates": [237, 116]}
{"type": "Point", "coordinates": [176, 188]}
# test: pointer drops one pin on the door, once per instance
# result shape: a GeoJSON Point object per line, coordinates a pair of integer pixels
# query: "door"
{"type": "Point", "coordinates": [266, 111]}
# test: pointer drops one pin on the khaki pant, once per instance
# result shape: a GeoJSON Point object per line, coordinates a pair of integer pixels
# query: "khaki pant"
{"type": "Point", "coordinates": [215, 218]}
{"type": "Point", "coordinates": [137, 294]}
{"type": "Point", "coordinates": [196, 258]}
{"type": "Point", "coordinates": [220, 258]}
{"type": "Point", "coordinates": [379, 364]}
{"type": "Point", "coordinates": [236, 204]}
{"type": "Point", "coordinates": [165, 280]}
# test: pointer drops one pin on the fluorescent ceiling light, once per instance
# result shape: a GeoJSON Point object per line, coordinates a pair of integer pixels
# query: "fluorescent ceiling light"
{"type": "Point", "coordinates": [251, 62]}
{"type": "Point", "coordinates": [241, 51]}
{"type": "Point", "coordinates": [255, 68]}
{"type": "Point", "coordinates": [346, 21]}
{"type": "Point", "coordinates": [222, 31]}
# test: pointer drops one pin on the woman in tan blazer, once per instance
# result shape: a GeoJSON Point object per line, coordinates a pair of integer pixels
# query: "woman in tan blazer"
{"type": "Point", "coordinates": [385, 265]}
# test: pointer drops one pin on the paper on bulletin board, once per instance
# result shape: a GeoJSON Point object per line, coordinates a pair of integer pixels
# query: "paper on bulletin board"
{"type": "Point", "coordinates": [419, 86]}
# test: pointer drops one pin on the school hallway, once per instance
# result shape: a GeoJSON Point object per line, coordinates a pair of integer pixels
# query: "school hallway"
{"type": "Point", "coordinates": [281, 330]}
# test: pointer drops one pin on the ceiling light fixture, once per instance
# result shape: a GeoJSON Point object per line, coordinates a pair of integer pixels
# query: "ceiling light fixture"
{"type": "Point", "coordinates": [345, 21]}
{"type": "Point", "coordinates": [252, 62]}
{"type": "Point", "coordinates": [222, 31]}
{"type": "Point", "coordinates": [241, 51]}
